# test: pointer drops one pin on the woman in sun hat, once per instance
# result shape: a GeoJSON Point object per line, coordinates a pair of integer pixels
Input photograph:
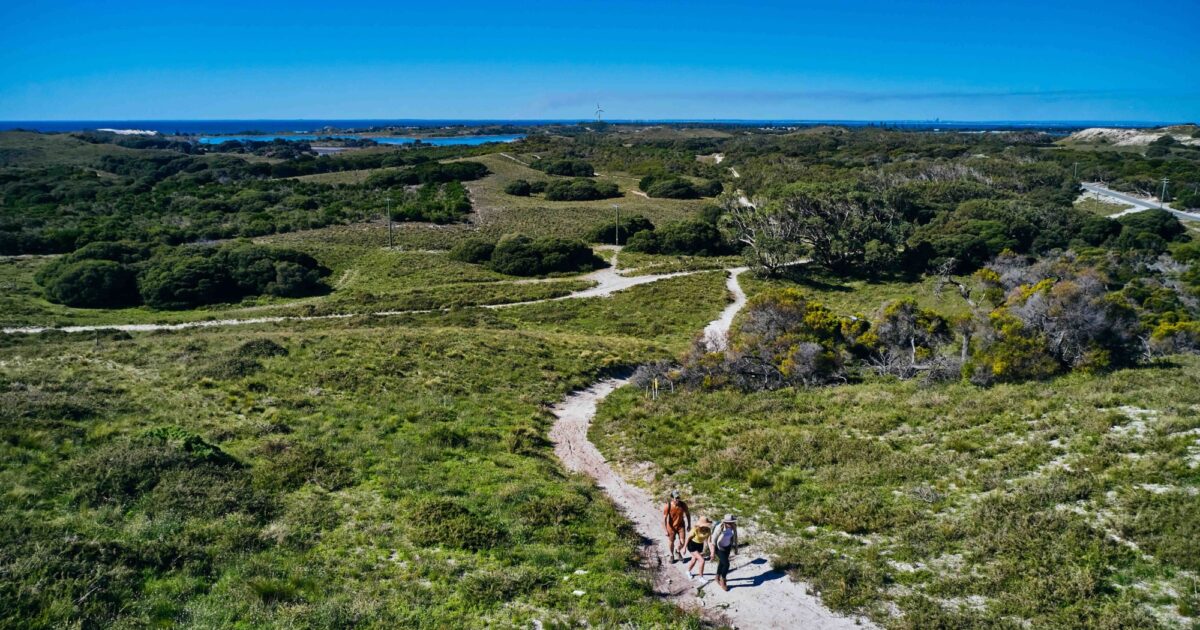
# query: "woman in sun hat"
{"type": "Point", "coordinates": [696, 541]}
{"type": "Point", "coordinates": [723, 542]}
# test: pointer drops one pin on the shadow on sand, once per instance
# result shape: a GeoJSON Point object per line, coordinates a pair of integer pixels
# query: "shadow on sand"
{"type": "Point", "coordinates": [753, 573]}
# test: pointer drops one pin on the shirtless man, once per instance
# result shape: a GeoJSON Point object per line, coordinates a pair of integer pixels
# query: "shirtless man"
{"type": "Point", "coordinates": [677, 520]}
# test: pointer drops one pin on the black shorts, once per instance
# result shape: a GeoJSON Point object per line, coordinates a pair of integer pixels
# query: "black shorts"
{"type": "Point", "coordinates": [694, 546]}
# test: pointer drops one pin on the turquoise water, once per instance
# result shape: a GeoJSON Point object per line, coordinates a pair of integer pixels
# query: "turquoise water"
{"type": "Point", "coordinates": [468, 140]}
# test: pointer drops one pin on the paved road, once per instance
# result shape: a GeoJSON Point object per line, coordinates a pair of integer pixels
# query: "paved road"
{"type": "Point", "coordinates": [1138, 202]}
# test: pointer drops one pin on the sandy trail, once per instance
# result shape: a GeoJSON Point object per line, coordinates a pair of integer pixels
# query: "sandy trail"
{"type": "Point", "coordinates": [758, 596]}
{"type": "Point", "coordinates": [716, 330]}
{"type": "Point", "coordinates": [515, 159]}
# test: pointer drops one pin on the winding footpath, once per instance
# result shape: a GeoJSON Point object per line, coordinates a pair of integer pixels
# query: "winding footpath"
{"type": "Point", "coordinates": [759, 596]}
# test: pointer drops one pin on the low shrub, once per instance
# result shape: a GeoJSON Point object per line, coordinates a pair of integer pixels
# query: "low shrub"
{"type": "Point", "coordinates": [192, 277]}
{"type": "Point", "coordinates": [519, 255]}
{"type": "Point", "coordinates": [92, 284]}
{"type": "Point", "coordinates": [261, 348]}
{"type": "Point", "coordinates": [434, 202]}
{"type": "Point", "coordinates": [289, 464]}
{"type": "Point", "coordinates": [437, 522]}
{"type": "Point", "coordinates": [518, 188]}
{"type": "Point", "coordinates": [671, 188]}
{"type": "Point", "coordinates": [230, 368]}
{"type": "Point", "coordinates": [123, 471]}
{"type": "Point", "coordinates": [623, 230]}
{"type": "Point", "coordinates": [429, 173]}
{"type": "Point", "coordinates": [472, 250]}
{"type": "Point", "coordinates": [565, 167]}
{"type": "Point", "coordinates": [581, 190]}
{"type": "Point", "coordinates": [682, 238]}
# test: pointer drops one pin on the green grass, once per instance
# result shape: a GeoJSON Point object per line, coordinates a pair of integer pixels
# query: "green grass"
{"type": "Point", "coordinates": [1014, 499]}
{"type": "Point", "coordinates": [639, 264]}
{"type": "Point", "coordinates": [1102, 208]}
{"type": "Point", "coordinates": [363, 280]}
{"type": "Point", "coordinates": [340, 177]}
{"type": "Point", "coordinates": [499, 213]}
{"type": "Point", "coordinates": [388, 472]}
{"type": "Point", "coordinates": [854, 296]}
{"type": "Point", "coordinates": [25, 149]}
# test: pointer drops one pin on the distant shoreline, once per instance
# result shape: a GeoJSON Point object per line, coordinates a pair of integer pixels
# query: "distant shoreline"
{"type": "Point", "coordinates": [309, 126]}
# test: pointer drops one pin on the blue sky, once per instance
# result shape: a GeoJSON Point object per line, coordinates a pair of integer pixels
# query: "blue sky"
{"type": "Point", "coordinates": [866, 59]}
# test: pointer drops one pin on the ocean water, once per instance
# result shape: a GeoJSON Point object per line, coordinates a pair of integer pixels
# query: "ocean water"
{"type": "Point", "coordinates": [436, 141]}
{"type": "Point", "coordinates": [267, 127]}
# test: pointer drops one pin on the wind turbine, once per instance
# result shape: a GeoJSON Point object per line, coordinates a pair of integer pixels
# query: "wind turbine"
{"type": "Point", "coordinates": [598, 112]}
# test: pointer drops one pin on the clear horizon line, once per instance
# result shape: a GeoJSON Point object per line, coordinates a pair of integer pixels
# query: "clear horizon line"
{"type": "Point", "coordinates": [618, 120]}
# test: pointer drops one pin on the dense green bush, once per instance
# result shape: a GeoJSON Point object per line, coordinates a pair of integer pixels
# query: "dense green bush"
{"type": "Point", "coordinates": [438, 203]}
{"type": "Point", "coordinates": [519, 255]}
{"type": "Point", "coordinates": [623, 230]}
{"type": "Point", "coordinates": [185, 280]}
{"type": "Point", "coordinates": [177, 278]}
{"type": "Point", "coordinates": [710, 188]}
{"type": "Point", "coordinates": [668, 187]}
{"type": "Point", "coordinates": [518, 188]}
{"type": "Point", "coordinates": [429, 173]}
{"type": "Point", "coordinates": [92, 284]}
{"type": "Point", "coordinates": [580, 190]}
{"type": "Point", "coordinates": [1160, 223]}
{"type": "Point", "coordinates": [195, 276]}
{"type": "Point", "coordinates": [472, 250]}
{"type": "Point", "coordinates": [538, 187]}
{"type": "Point", "coordinates": [565, 167]}
{"type": "Point", "coordinates": [682, 238]}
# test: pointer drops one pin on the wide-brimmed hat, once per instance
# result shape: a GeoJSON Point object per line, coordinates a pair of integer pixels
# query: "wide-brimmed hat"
{"type": "Point", "coordinates": [729, 518]}
{"type": "Point", "coordinates": [674, 494]}
{"type": "Point", "coordinates": [704, 522]}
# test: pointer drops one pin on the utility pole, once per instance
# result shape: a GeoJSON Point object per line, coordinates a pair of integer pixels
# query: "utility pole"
{"type": "Point", "coordinates": [617, 226]}
{"type": "Point", "coordinates": [1162, 199]}
{"type": "Point", "coordinates": [389, 211]}
{"type": "Point", "coordinates": [1077, 170]}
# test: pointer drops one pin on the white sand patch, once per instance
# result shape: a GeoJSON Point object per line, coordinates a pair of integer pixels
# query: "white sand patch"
{"type": "Point", "coordinates": [1091, 194]}
{"type": "Point", "coordinates": [131, 132]}
{"type": "Point", "coordinates": [1158, 488]}
{"type": "Point", "coordinates": [1139, 420]}
{"type": "Point", "coordinates": [1129, 137]}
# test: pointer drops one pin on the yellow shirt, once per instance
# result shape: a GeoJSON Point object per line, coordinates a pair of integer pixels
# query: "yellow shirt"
{"type": "Point", "coordinates": [699, 534]}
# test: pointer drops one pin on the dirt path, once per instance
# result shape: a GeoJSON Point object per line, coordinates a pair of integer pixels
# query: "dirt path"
{"type": "Point", "coordinates": [515, 159]}
{"type": "Point", "coordinates": [716, 330]}
{"type": "Point", "coordinates": [759, 596]}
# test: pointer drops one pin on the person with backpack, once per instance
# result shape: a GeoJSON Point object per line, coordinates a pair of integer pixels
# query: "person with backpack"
{"type": "Point", "coordinates": [722, 543]}
{"type": "Point", "coordinates": [677, 520]}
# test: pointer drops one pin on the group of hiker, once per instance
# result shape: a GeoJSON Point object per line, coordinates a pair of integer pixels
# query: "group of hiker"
{"type": "Point", "coordinates": [720, 541]}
